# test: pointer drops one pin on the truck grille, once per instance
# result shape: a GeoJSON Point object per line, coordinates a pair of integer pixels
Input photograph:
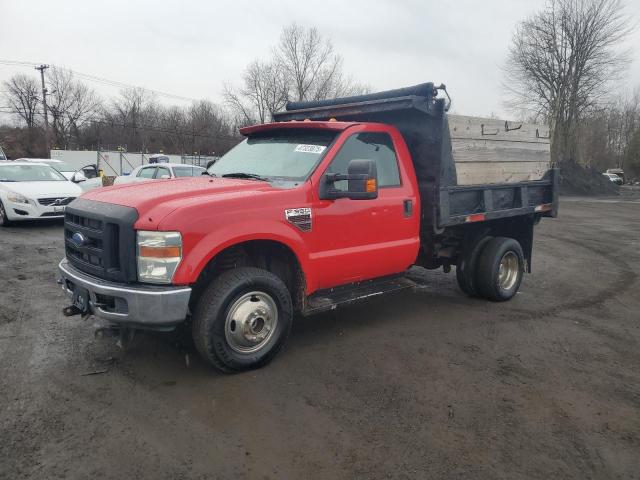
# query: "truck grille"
{"type": "Point", "coordinates": [100, 239]}
{"type": "Point", "coordinates": [56, 200]}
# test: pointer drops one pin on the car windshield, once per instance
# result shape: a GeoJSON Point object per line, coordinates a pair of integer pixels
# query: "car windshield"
{"type": "Point", "coordinates": [188, 171]}
{"type": "Point", "coordinates": [29, 173]}
{"type": "Point", "coordinates": [61, 166]}
{"type": "Point", "coordinates": [284, 154]}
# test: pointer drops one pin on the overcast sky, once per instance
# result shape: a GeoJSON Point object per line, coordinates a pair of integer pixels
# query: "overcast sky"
{"type": "Point", "coordinates": [191, 48]}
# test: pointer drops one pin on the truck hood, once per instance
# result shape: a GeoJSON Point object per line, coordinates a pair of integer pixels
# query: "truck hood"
{"type": "Point", "coordinates": [155, 200]}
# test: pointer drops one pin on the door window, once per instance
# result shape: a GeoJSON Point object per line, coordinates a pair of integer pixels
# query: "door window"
{"type": "Point", "coordinates": [374, 146]}
{"type": "Point", "coordinates": [188, 171]}
{"type": "Point", "coordinates": [163, 172]}
{"type": "Point", "coordinates": [147, 172]}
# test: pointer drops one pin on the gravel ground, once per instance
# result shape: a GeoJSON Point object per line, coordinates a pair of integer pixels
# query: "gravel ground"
{"type": "Point", "coordinates": [422, 384]}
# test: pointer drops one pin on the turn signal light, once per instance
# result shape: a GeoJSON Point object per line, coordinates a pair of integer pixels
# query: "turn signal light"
{"type": "Point", "coordinates": [159, 252]}
{"type": "Point", "coordinates": [371, 185]}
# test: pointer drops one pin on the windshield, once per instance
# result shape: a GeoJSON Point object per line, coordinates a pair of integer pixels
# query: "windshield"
{"type": "Point", "coordinates": [61, 166]}
{"type": "Point", "coordinates": [283, 154]}
{"type": "Point", "coordinates": [188, 171]}
{"type": "Point", "coordinates": [29, 173]}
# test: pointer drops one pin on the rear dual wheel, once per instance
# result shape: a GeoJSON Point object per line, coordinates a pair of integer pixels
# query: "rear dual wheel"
{"type": "Point", "coordinates": [466, 268]}
{"type": "Point", "coordinates": [494, 269]}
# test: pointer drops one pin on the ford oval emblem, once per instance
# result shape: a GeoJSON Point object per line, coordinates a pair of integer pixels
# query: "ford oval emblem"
{"type": "Point", "coordinates": [78, 239]}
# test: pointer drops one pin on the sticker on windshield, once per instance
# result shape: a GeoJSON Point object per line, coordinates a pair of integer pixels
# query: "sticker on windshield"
{"type": "Point", "coordinates": [317, 149]}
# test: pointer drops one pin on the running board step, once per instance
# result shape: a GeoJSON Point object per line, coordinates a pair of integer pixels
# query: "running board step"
{"type": "Point", "coordinates": [330, 299]}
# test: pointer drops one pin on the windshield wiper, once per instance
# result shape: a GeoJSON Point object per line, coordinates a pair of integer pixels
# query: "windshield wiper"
{"type": "Point", "coordinates": [245, 175]}
{"type": "Point", "coordinates": [7, 180]}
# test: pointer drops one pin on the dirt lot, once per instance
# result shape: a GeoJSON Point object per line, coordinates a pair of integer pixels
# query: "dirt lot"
{"type": "Point", "coordinates": [423, 384]}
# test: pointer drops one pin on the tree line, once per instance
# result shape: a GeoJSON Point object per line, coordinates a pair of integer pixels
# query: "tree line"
{"type": "Point", "coordinates": [303, 66]}
{"type": "Point", "coordinates": [562, 67]}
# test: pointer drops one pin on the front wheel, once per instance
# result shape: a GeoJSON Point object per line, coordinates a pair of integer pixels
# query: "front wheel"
{"type": "Point", "coordinates": [500, 269]}
{"type": "Point", "coordinates": [4, 219]}
{"type": "Point", "coordinates": [242, 319]}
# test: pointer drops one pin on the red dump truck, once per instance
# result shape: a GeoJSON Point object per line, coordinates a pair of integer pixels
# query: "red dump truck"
{"type": "Point", "coordinates": [331, 203]}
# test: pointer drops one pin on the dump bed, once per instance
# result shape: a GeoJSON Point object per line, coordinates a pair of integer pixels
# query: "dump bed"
{"type": "Point", "coordinates": [468, 169]}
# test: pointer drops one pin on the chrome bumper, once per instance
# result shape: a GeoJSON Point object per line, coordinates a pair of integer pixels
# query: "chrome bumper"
{"type": "Point", "coordinates": [144, 306]}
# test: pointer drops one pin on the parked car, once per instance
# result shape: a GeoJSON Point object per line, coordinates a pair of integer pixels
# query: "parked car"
{"type": "Point", "coordinates": [614, 178]}
{"type": "Point", "coordinates": [617, 171]}
{"type": "Point", "coordinates": [159, 158]}
{"type": "Point", "coordinates": [31, 191]}
{"type": "Point", "coordinates": [160, 172]}
{"type": "Point", "coordinates": [86, 177]}
{"type": "Point", "coordinates": [62, 167]}
{"type": "Point", "coordinates": [318, 209]}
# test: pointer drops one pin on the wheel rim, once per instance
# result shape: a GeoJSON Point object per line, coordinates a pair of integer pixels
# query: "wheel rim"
{"type": "Point", "coordinates": [251, 321]}
{"type": "Point", "coordinates": [508, 271]}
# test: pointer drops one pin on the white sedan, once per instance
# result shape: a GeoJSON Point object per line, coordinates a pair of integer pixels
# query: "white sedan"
{"type": "Point", "coordinates": [72, 174]}
{"type": "Point", "coordinates": [31, 191]}
{"type": "Point", "coordinates": [160, 172]}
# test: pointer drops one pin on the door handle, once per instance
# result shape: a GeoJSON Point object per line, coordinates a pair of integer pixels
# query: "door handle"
{"type": "Point", "coordinates": [408, 208]}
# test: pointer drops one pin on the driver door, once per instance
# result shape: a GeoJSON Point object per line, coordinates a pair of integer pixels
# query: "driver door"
{"type": "Point", "coordinates": [355, 240]}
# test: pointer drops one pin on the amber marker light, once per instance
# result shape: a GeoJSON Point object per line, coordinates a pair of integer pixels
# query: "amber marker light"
{"type": "Point", "coordinates": [371, 185]}
{"type": "Point", "coordinates": [160, 252]}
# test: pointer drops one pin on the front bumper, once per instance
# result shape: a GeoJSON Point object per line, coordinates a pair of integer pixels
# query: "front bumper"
{"type": "Point", "coordinates": [140, 305]}
{"type": "Point", "coordinates": [30, 211]}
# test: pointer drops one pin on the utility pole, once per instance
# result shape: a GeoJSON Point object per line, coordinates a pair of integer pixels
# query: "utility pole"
{"type": "Point", "coordinates": [42, 68]}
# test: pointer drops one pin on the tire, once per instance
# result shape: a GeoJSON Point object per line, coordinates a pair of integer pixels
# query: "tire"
{"type": "Point", "coordinates": [491, 283]}
{"type": "Point", "coordinates": [242, 319]}
{"type": "Point", "coordinates": [466, 267]}
{"type": "Point", "coordinates": [4, 220]}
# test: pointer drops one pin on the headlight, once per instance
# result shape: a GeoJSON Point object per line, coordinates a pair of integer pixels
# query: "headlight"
{"type": "Point", "coordinates": [159, 254]}
{"type": "Point", "coordinates": [17, 198]}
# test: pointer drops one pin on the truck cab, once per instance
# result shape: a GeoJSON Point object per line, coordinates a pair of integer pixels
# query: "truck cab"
{"type": "Point", "coordinates": [331, 203]}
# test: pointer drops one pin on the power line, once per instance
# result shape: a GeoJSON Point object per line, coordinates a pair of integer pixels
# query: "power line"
{"type": "Point", "coordinates": [101, 80]}
{"type": "Point", "coordinates": [18, 63]}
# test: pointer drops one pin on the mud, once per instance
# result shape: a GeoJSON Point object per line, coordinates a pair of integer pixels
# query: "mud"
{"type": "Point", "coordinates": [422, 384]}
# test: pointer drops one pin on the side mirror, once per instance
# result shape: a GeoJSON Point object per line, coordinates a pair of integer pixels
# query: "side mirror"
{"type": "Point", "coordinates": [166, 176]}
{"type": "Point", "coordinates": [362, 182]}
{"type": "Point", "coordinates": [78, 177]}
{"type": "Point", "coordinates": [89, 171]}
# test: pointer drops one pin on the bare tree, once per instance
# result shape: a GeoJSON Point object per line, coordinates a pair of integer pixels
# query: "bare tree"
{"type": "Point", "coordinates": [23, 98]}
{"type": "Point", "coordinates": [561, 60]}
{"type": "Point", "coordinates": [310, 62]}
{"type": "Point", "coordinates": [71, 103]}
{"type": "Point", "coordinates": [264, 91]}
{"type": "Point", "coordinates": [134, 118]}
{"type": "Point", "coordinates": [304, 66]}
{"type": "Point", "coordinates": [208, 127]}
